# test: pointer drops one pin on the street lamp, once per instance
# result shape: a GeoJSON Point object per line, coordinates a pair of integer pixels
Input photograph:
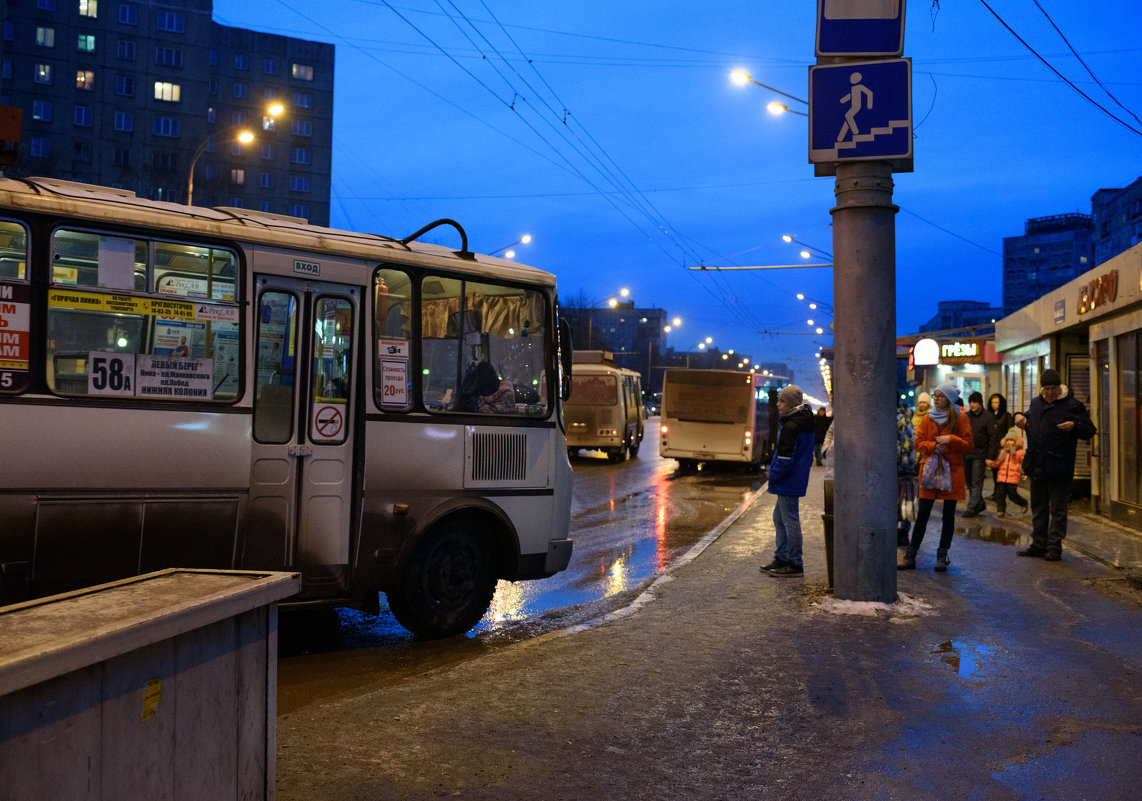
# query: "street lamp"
{"type": "Point", "coordinates": [510, 254]}
{"type": "Point", "coordinates": [819, 252]}
{"type": "Point", "coordinates": [244, 136]}
{"type": "Point", "coordinates": [777, 109]}
{"type": "Point", "coordinates": [741, 78]}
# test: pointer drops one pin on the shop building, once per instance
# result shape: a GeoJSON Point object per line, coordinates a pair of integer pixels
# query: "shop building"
{"type": "Point", "coordinates": [1090, 330]}
{"type": "Point", "coordinates": [965, 357]}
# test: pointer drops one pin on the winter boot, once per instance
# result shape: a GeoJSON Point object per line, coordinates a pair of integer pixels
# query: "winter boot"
{"type": "Point", "coordinates": [942, 560]}
{"type": "Point", "coordinates": [909, 562]}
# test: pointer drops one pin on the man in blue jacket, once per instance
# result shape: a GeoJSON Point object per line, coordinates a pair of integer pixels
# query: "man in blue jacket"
{"type": "Point", "coordinates": [1054, 424]}
{"type": "Point", "coordinates": [789, 478]}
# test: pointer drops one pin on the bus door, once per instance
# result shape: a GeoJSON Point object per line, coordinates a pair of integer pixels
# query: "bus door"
{"type": "Point", "coordinates": [301, 481]}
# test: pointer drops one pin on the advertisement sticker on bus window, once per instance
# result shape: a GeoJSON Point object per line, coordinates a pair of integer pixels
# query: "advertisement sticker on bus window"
{"type": "Point", "coordinates": [111, 374]}
{"type": "Point", "coordinates": [169, 377]}
{"type": "Point", "coordinates": [222, 314]}
{"type": "Point", "coordinates": [394, 383]}
{"type": "Point", "coordinates": [14, 328]}
{"type": "Point", "coordinates": [328, 422]}
{"type": "Point", "coordinates": [392, 348]}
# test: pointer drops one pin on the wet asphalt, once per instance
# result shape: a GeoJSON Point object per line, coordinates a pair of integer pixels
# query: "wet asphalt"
{"type": "Point", "coordinates": [1004, 678]}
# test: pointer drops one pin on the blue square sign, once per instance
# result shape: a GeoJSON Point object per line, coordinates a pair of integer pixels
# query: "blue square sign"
{"type": "Point", "coordinates": [860, 27]}
{"type": "Point", "coordinates": [860, 111]}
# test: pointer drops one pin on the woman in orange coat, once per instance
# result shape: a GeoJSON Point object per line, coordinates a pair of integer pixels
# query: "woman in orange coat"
{"type": "Point", "coordinates": [947, 432]}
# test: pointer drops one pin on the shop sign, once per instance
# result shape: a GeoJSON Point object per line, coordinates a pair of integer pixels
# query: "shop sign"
{"type": "Point", "coordinates": [1098, 292]}
{"type": "Point", "coordinates": [959, 350]}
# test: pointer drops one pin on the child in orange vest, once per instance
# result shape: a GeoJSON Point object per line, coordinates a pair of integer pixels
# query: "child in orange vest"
{"type": "Point", "coordinates": [1009, 462]}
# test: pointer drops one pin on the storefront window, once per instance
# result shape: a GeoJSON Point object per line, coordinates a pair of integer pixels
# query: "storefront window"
{"type": "Point", "coordinates": [1128, 439]}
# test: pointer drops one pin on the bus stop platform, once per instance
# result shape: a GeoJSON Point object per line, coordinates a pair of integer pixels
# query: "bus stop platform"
{"type": "Point", "coordinates": [1004, 678]}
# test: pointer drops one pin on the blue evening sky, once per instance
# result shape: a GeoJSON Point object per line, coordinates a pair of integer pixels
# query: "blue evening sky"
{"type": "Point", "coordinates": [611, 133]}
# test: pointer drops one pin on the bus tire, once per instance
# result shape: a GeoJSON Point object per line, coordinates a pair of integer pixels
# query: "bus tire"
{"type": "Point", "coordinates": [447, 584]}
{"type": "Point", "coordinates": [616, 455]}
{"type": "Point", "coordinates": [634, 448]}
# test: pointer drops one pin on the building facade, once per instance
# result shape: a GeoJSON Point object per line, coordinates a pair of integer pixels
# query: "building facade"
{"type": "Point", "coordinates": [130, 94]}
{"type": "Point", "coordinates": [1117, 220]}
{"type": "Point", "coordinates": [1090, 330]}
{"type": "Point", "coordinates": [1052, 251]}
{"type": "Point", "coordinates": [952, 314]}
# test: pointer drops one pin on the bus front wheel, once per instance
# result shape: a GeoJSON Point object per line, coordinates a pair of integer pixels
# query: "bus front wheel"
{"type": "Point", "coordinates": [447, 586]}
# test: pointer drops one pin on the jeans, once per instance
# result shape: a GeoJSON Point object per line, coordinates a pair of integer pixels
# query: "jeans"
{"type": "Point", "coordinates": [923, 511]}
{"type": "Point", "coordinates": [1049, 499]}
{"type": "Point", "coordinates": [974, 472]}
{"type": "Point", "coordinates": [787, 524]}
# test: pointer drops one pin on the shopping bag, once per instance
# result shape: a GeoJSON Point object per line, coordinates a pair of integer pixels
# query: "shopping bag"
{"type": "Point", "coordinates": [937, 474]}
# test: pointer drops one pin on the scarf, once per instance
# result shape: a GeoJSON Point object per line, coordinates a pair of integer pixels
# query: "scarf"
{"type": "Point", "coordinates": [941, 418]}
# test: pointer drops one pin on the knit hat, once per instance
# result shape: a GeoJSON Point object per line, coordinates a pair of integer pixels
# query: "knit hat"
{"type": "Point", "coordinates": [924, 397]}
{"type": "Point", "coordinates": [949, 391]}
{"type": "Point", "coordinates": [1051, 378]}
{"type": "Point", "coordinates": [975, 397]}
{"type": "Point", "coordinates": [1014, 433]}
{"type": "Point", "coordinates": [791, 394]}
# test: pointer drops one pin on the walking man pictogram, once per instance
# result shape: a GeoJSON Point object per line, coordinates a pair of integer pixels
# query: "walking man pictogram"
{"type": "Point", "coordinates": [856, 100]}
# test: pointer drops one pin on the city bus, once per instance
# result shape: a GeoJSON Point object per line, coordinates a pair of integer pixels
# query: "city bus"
{"type": "Point", "coordinates": [231, 389]}
{"type": "Point", "coordinates": [712, 416]}
{"type": "Point", "coordinates": [605, 410]}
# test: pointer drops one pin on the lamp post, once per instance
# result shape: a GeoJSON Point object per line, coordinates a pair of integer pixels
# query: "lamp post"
{"type": "Point", "coordinates": [741, 78]}
{"type": "Point", "coordinates": [245, 136]}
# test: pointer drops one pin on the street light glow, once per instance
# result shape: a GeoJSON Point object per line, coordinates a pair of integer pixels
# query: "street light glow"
{"type": "Point", "coordinates": [740, 77]}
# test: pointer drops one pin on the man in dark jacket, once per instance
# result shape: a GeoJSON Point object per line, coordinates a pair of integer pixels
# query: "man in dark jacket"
{"type": "Point", "coordinates": [821, 422]}
{"type": "Point", "coordinates": [789, 478]}
{"type": "Point", "coordinates": [975, 460]}
{"type": "Point", "coordinates": [1054, 425]}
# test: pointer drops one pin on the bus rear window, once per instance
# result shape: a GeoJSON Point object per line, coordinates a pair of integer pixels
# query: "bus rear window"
{"type": "Point", "coordinates": [13, 251]}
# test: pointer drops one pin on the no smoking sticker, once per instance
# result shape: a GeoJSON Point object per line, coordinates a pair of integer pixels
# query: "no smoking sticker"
{"type": "Point", "coordinates": [328, 422]}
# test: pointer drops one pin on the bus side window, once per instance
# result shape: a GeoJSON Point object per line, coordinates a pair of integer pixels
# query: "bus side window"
{"type": "Point", "coordinates": [392, 338]}
{"type": "Point", "coordinates": [274, 384]}
{"type": "Point", "coordinates": [13, 251]}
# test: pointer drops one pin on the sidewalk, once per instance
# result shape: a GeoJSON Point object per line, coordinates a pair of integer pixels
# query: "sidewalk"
{"type": "Point", "coordinates": [1004, 678]}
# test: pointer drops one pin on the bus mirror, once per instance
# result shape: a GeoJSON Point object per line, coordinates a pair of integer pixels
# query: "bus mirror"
{"type": "Point", "coordinates": [566, 357]}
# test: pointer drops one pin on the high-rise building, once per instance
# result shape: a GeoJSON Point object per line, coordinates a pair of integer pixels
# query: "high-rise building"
{"type": "Point", "coordinates": [952, 314]}
{"type": "Point", "coordinates": [1052, 251]}
{"type": "Point", "coordinates": [132, 94]}
{"type": "Point", "coordinates": [1117, 220]}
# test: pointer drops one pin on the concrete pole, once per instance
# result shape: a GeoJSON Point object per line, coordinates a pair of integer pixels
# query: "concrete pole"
{"type": "Point", "coordinates": [864, 382]}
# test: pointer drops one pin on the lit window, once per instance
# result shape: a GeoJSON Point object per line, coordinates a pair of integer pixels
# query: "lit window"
{"type": "Point", "coordinates": [269, 123]}
{"type": "Point", "coordinates": [238, 177]}
{"type": "Point", "coordinates": [124, 121]}
{"type": "Point", "coordinates": [45, 37]}
{"type": "Point", "coordinates": [170, 92]}
{"type": "Point", "coordinates": [85, 80]}
{"type": "Point", "coordinates": [88, 8]}
{"type": "Point", "coordinates": [303, 72]}
{"type": "Point", "coordinates": [43, 73]}
{"type": "Point", "coordinates": [85, 43]}
{"type": "Point", "coordinates": [41, 110]}
{"type": "Point", "coordinates": [83, 116]}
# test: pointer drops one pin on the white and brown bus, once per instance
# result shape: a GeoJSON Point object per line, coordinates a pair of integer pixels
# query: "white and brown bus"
{"type": "Point", "coordinates": [224, 388]}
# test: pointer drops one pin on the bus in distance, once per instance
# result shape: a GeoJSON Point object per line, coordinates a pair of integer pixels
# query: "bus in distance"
{"type": "Point", "coordinates": [712, 416]}
{"type": "Point", "coordinates": [232, 389]}
{"type": "Point", "coordinates": [605, 410]}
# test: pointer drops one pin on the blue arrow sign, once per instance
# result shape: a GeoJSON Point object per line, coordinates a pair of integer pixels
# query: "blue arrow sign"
{"type": "Point", "coordinates": [860, 27]}
{"type": "Point", "coordinates": [860, 111]}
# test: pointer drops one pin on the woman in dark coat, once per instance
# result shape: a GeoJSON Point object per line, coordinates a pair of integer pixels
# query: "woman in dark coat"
{"type": "Point", "coordinates": [999, 428]}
